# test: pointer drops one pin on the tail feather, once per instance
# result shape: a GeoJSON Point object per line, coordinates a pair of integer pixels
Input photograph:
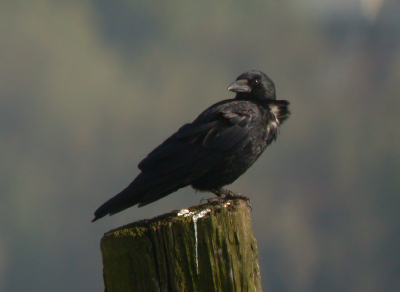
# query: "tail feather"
{"type": "Point", "coordinates": [160, 192]}
{"type": "Point", "coordinates": [141, 191]}
{"type": "Point", "coordinates": [125, 199]}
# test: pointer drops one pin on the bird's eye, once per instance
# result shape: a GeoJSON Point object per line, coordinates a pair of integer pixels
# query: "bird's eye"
{"type": "Point", "coordinates": [255, 82]}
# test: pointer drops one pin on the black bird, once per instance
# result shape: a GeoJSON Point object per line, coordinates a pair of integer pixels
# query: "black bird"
{"type": "Point", "coordinates": [212, 151]}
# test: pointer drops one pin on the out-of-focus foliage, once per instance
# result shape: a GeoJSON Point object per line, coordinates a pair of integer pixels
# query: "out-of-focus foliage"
{"type": "Point", "coordinates": [88, 88]}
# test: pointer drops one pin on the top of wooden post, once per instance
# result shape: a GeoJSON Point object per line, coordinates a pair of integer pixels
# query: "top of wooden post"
{"type": "Point", "coordinates": [208, 247]}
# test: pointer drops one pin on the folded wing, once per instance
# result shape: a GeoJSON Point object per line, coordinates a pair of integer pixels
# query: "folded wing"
{"type": "Point", "coordinates": [195, 149]}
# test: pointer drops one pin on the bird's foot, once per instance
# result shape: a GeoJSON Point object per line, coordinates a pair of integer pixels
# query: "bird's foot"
{"type": "Point", "coordinates": [216, 200]}
{"type": "Point", "coordinates": [224, 195]}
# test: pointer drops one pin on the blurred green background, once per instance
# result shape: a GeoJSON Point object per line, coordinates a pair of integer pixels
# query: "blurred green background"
{"type": "Point", "coordinates": [88, 88]}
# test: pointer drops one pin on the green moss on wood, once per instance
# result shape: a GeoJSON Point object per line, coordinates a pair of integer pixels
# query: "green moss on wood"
{"type": "Point", "coordinates": [160, 254]}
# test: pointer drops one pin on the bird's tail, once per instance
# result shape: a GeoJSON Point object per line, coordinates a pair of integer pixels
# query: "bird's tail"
{"type": "Point", "coordinates": [118, 203]}
{"type": "Point", "coordinates": [145, 189]}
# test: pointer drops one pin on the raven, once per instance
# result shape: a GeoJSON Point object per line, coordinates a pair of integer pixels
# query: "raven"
{"type": "Point", "coordinates": [212, 151]}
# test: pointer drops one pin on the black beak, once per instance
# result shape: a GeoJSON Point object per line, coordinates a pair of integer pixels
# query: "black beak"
{"type": "Point", "coordinates": [241, 85]}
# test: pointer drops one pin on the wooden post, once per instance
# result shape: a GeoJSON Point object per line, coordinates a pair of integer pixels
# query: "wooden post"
{"type": "Point", "coordinates": [205, 248]}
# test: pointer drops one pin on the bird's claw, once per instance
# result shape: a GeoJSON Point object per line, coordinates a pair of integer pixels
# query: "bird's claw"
{"type": "Point", "coordinates": [208, 200]}
{"type": "Point", "coordinates": [224, 195]}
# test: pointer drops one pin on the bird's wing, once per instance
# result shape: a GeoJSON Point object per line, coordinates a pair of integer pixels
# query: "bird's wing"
{"type": "Point", "coordinates": [222, 128]}
{"type": "Point", "coordinates": [219, 132]}
{"type": "Point", "coordinates": [193, 151]}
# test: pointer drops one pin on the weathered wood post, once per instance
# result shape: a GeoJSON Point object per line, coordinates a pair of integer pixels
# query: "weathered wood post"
{"type": "Point", "coordinates": [205, 248]}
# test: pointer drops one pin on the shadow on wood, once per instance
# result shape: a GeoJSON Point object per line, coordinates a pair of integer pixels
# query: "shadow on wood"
{"type": "Point", "coordinates": [205, 248]}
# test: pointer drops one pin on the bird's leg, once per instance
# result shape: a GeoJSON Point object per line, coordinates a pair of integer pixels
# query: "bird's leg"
{"type": "Point", "coordinates": [224, 194]}
{"type": "Point", "coordinates": [221, 197]}
{"type": "Point", "coordinates": [227, 194]}
{"type": "Point", "coordinates": [212, 200]}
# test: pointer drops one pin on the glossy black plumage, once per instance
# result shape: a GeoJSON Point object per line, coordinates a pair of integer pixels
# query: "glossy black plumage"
{"type": "Point", "coordinates": [213, 150]}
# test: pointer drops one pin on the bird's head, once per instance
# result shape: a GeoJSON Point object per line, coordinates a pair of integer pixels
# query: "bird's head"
{"type": "Point", "coordinates": [253, 85]}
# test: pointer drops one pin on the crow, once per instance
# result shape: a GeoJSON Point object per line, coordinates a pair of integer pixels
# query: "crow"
{"type": "Point", "coordinates": [212, 151]}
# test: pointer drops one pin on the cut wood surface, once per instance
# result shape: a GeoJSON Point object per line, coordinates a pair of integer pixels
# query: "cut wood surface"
{"type": "Point", "coordinates": [204, 248]}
